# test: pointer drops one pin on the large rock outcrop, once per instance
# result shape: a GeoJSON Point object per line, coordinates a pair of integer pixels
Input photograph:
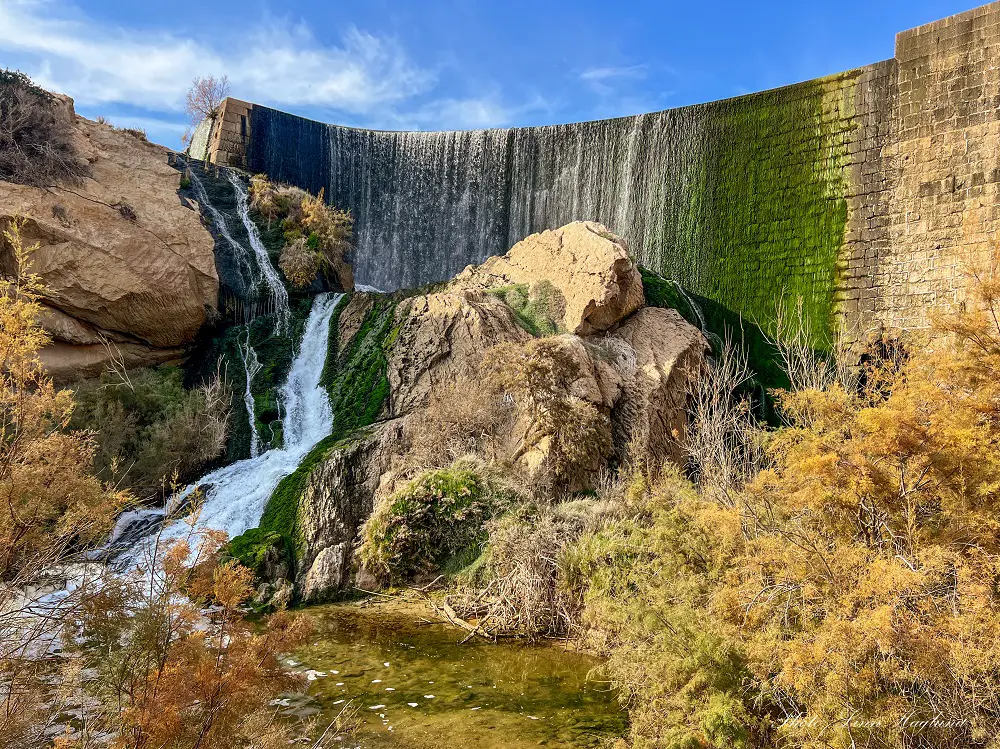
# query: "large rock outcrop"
{"type": "Point", "coordinates": [635, 369]}
{"type": "Point", "coordinates": [658, 355]}
{"type": "Point", "coordinates": [123, 258]}
{"type": "Point", "coordinates": [440, 336]}
{"type": "Point", "coordinates": [338, 498]}
{"type": "Point", "coordinates": [588, 266]}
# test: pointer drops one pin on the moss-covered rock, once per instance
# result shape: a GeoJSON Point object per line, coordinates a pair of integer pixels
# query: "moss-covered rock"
{"type": "Point", "coordinates": [538, 306]}
{"type": "Point", "coordinates": [355, 376]}
{"type": "Point", "coordinates": [262, 551]}
{"type": "Point", "coordinates": [438, 516]}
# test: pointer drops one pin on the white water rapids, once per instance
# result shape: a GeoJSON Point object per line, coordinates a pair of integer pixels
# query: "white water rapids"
{"type": "Point", "coordinates": [279, 294]}
{"type": "Point", "coordinates": [235, 496]}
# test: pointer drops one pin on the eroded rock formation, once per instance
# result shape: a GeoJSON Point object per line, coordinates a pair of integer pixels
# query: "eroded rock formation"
{"type": "Point", "coordinates": [123, 258]}
{"type": "Point", "coordinates": [589, 267]}
{"type": "Point", "coordinates": [635, 365]}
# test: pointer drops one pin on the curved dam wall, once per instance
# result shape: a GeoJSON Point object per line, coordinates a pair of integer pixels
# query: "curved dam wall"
{"type": "Point", "coordinates": [828, 190]}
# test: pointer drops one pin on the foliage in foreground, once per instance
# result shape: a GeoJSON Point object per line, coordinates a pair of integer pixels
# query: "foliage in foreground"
{"type": "Point", "coordinates": [50, 502]}
{"type": "Point", "coordinates": [177, 664]}
{"type": "Point", "coordinates": [846, 596]}
{"type": "Point", "coordinates": [51, 506]}
{"type": "Point", "coordinates": [159, 659]}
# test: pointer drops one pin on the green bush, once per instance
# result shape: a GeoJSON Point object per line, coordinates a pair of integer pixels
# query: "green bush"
{"type": "Point", "coordinates": [538, 307]}
{"type": "Point", "coordinates": [647, 580]}
{"type": "Point", "coordinates": [439, 515]}
{"type": "Point", "coordinates": [149, 426]}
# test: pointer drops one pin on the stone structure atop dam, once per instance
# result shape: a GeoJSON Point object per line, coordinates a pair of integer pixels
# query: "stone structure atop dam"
{"type": "Point", "coordinates": [866, 193]}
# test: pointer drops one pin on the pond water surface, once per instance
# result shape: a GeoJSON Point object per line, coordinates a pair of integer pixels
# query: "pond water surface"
{"type": "Point", "coordinates": [417, 687]}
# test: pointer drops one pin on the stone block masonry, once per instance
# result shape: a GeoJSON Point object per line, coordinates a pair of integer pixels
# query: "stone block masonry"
{"type": "Point", "coordinates": [944, 214]}
{"type": "Point", "coordinates": [867, 193]}
{"type": "Point", "coordinates": [230, 134]}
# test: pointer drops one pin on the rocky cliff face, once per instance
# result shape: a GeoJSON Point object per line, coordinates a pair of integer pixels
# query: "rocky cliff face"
{"type": "Point", "coordinates": [124, 259]}
{"type": "Point", "coordinates": [336, 502]}
{"type": "Point", "coordinates": [635, 366]}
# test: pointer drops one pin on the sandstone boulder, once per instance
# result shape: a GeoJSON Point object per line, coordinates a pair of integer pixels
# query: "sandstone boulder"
{"type": "Point", "coordinates": [636, 373]}
{"type": "Point", "coordinates": [122, 257]}
{"type": "Point", "coordinates": [657, 355]}
{"type": "Point", "coordinates": [596, 282]}
{"type": "Point", "coordinates": [440, 336]}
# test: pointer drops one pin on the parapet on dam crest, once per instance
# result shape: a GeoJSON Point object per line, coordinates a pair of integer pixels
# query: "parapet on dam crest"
{"type": "Point", "coordinates": [866, 193]}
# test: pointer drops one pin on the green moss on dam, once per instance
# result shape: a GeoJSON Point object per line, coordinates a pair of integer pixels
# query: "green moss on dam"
{"type": "Point", "coordinates": [762, 212]}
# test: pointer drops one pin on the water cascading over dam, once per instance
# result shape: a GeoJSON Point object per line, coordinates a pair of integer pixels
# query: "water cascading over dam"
{"type": "Point", "coordinates": [863, 193]}
{"type": "Point", "coordinates": [737, 200]}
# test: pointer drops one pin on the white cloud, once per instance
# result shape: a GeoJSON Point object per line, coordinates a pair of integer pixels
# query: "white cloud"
{"type": "Point", "coordinates": [276, 64]}
{"type": "Point", "coordinates": [605, 81]}
{"type": "Point", "coordinates": [139, 76]}
{"type": "Point", "coordinates": [604, 74]}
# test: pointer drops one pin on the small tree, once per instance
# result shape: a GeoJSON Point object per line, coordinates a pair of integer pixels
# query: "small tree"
{"type": "Point", "coordinates": [205, 98]}
{"type": "Point", "coordinates": [204, 102]}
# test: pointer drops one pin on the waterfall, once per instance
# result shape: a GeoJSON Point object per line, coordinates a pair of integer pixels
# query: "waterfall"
{"type": "Point", "coordinates": [279, 294]}
{"type": "Point", "coordinates": [250, 275]}
{"type": "Point", "coordinates": [247, 272]}
{"type": "Point", "coordinates": [427, 204]}
{"type": "Point", "coordinates": [695, 308]}
{"type": "Point", "coordinates": [251, 366]}
{"type": "Point", "coordinates": [235, 496]}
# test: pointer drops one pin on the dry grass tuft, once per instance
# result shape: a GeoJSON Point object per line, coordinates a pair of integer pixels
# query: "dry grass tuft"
{"type": "Point", "coordinates": [36, 146]}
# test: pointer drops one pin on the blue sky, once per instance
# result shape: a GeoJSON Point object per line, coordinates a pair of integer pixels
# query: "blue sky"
{"type": "Point", "coordinates": [440, 64]}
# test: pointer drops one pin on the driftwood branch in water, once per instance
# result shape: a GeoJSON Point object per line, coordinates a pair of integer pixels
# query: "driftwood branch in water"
{"type": "Point", "coordinates": [451, 616]}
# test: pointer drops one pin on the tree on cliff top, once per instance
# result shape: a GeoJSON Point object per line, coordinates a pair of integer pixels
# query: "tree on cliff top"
{"type": "Point", "coordinates": [205, 98]}
{"type": "Point", "coordinates": [204, 101]}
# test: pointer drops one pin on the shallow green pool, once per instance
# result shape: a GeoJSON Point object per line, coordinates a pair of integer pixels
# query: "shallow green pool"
{"type": "Point", "coordinates": [417, 687]}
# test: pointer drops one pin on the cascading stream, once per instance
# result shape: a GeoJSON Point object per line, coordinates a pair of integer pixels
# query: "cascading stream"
{"type": "Point", "coordinates": [251, 366]}
{"type": "Point", "coordinates": [279, 294]}
{"type": "Point", "coordinates": [695, 307]}
{"type": "Point", "coordinates": [254, 264]}
{"type": "Point", "coordinates": [235, 496]}
{"type": "Point", "coordinates": [248, 272]}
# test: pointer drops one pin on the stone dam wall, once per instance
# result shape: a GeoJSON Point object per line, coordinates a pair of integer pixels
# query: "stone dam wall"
{"type": "Point", "coordinates": [867, 193]}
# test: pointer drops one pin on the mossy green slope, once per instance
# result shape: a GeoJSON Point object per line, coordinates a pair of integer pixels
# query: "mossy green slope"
{"type": "Point", "coordinates": [356, 377]}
